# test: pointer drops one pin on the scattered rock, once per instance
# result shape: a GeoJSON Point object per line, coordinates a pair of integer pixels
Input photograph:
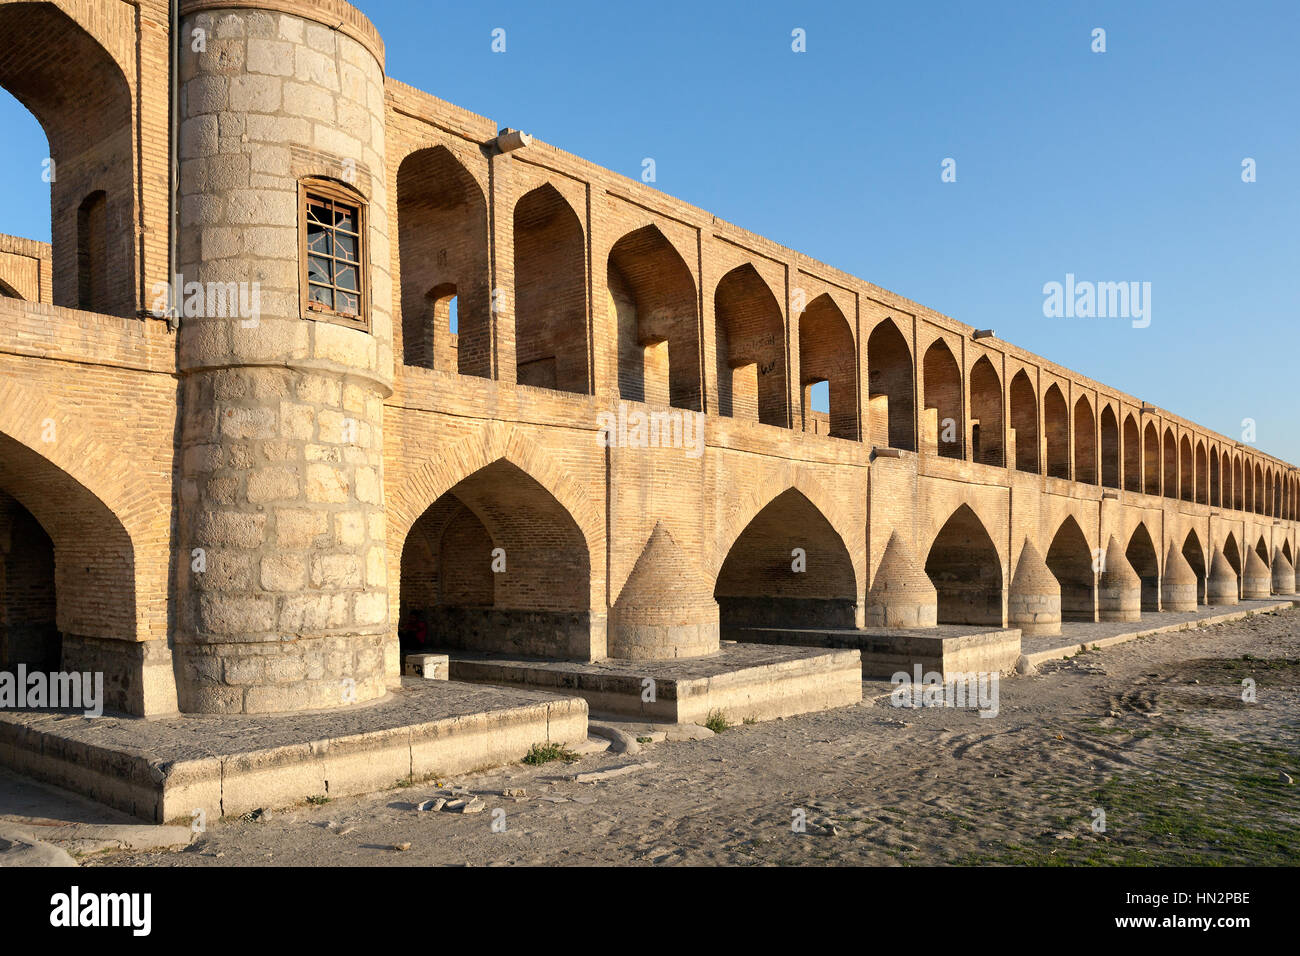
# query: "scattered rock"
{"type": "Point", "coordinates": [344, 832]}
{"type": "Point", "coordinates": [1284, 777]}
{"type": "Point", "coordinates": [514, 792]}
{"type": "Point", "coordinates": [429, 805]}
{"type": "Point", "coordinates": [470, 805]}
{"type": "Point", "coordinates": [401, 847]}
{"type": "Point", "coordinates": [596, 776]}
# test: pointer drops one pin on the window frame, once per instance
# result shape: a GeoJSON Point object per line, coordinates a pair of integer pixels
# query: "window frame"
{"type": "Point", "coordinates": [333, 192]}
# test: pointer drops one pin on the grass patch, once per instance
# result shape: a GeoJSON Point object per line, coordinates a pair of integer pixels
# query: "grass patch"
{"type": "Point", "coordinates": [716, 721]}
{"type": "Point", "coordinates": [318, 800]}
{"type": "Point", "coordinates": [545, 753]}
{"type": "Point", "coordinates": [1219, 804]}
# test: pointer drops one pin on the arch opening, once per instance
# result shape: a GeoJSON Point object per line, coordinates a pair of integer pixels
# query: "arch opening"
{"type": "Point", "coordinates": [442, 242]}
{"type": "Point", "coordinates": [496, 564]}
{"type": "Point", "coordinates": [551, 341]}
{"type": "Point", "coordinates": [48, 57]}
{"type": "Point", "coordinates": [986, 414]}
{"type": "Point", "coordinates": [750, 346]}
{"type": "Point", "coordinates": [890, 387]}
{"type": "Point", "coordinates": [1151, 459]}
{"type": "Point", "coordinates": [653, 297]}
{"type": "Point", "coordinates": [1070, 560]}
{"type": "Point", "coordinates": [942, 420]}
{"type": "Point", "coordinates": [1233, 556]}
{"type": "Point", "coordinates": [1141, 554]}
{"type": "Point", "coordinates": [1196, 557]}
{"type": "Point", "coordinates": [1132, 455]}
{"type": "Point", "coordinates": [1110, 449]}
{"type": "Point", "coordinates": [1171, 464]}
{"type": "Point", "coordinates": [1024, 423]}
{"type": "Point", "coordinates": [827, 353]}
{"type": "Point", "coordinates": [1056, 428]}
{"type": "Point", "coordinates": [760, 584]}
{"type": "Point", "coordinates": [964, 566]}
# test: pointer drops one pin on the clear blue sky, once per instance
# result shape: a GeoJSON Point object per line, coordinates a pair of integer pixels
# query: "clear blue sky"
{"type": "Point", "coordinates": [1115, 166]}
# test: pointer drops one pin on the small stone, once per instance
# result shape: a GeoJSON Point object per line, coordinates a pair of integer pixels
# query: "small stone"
{"type": "Point", "coordinates": [345, 831]}
{"type": "Point", "coordinates": [401, 847]}
{"type": "Point", "coordinates": [514, 792]}
{"type": "Point", "coordinates": [428, 805]}
{"type": "Point", "coordinates": [1284, 777]}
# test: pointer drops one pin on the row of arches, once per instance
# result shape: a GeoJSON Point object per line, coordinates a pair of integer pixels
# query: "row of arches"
{"type": "Point", "coordinates": [655, 307]}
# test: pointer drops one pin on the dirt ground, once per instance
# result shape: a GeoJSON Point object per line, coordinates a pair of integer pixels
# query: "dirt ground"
{"type": "Point", "coordinates": [1155, 733]}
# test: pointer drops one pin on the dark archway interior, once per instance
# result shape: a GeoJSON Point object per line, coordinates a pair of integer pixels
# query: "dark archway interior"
{"type": "Point", "coordinates": [964, 567]}
{"type": "Point", "coordinates": [758, 585]}
{"type": "Point", "coordinates": [530, 597]}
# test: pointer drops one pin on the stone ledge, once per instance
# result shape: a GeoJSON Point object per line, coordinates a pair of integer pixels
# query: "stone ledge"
{"type": "Point", "coordinates": [947, 649]}
{"type": "Point", "coordinates": [744, 681]}
{"type": "Point", "coordinates": [163, 770]}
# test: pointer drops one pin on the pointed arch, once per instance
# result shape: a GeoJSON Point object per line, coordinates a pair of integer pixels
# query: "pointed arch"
{"type": "Point", "coordinates": [750, 346]}
{"type": "Point", "coordinates": [1132, 455]}
{"type": "Point", "coordinates": [1233, 557]}
{"type": "Point", "coordinates": [986, 413]}
{"type": "Point", "coordinates": [551, 330]}
{"type": "Point", "coordinates": [1085, 442]}
{"type": "Point", "coordinates": [1201, 491]}
{"type": "Point", "coordinates": [1171, 464]}
{"type": "Point", "coordinates": [442, 253]}
{"type": "Point", "coordinates": [759, 583]}
{"type": "Point", "coordinates": [78, 92]}
{"type": "Point", "coordinates": [653, 299]}
{"type": "Point", "coordinates": [1070, 560]}
{"type": "Point", "coordinates": [1056, 429]}
{"type": "Point", "coordinates": [828, 353]}
{"type": "Point", "coordinates": [1218, 498]}
{"type": "Point", "coordinates": [1110, 448]}
{"type": "Point", "coordinates": [1186, 470]}
{"type": "Point", "coordinates": [496, 563]}
{"type": "Point", "coordinates": [1141, 554]}
{"type": "Point", "coordinates": [964, 566]}
{"type": "Point", "coordinates": [941, 384]}
{"type": "Point", "coordinates": [890, 387]}
{"type": "Point", "coordinates": [1238, 484]}
{"type": "Point", "coordinates": [1024, 423]}
{"type": "Point", "coordinates": [1151, 459]}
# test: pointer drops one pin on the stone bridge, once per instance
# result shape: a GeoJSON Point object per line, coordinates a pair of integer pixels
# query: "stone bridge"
{"type": "Point", "coordinates": [502, 398]}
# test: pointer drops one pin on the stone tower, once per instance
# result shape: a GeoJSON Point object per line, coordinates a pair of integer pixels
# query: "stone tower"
{"type": "Point", "coordinates": [282, 593]}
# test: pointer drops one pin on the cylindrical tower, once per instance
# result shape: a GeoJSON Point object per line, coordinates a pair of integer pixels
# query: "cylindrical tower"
{"type": "Point", "coordinates": [285, 358]}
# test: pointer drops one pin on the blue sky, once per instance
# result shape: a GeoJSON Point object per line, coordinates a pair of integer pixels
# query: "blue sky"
{"type": "Point", "coordinates": [1115, 166]}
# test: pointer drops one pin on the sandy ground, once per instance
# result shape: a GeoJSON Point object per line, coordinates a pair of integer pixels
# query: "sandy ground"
{"type": "Point", "coordinates": [1154, 733]}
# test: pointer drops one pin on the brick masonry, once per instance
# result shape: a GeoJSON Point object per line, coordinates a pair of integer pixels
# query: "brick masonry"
{"type": "Point", "coordinates": [345, 486]}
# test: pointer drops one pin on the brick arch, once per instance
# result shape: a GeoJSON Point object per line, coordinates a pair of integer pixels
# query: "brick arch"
{"type": "Point", "coordinates": [441, 205]}
{"type": "Point", "coordinates": [654, 298]}
{"type": "Point", "coordinates": [941, 390]}
{"type": "Point", "coordinates": [749, 339]}
{"type": "Point", "coordinates": [763, 494]}
{"type": "Point", "coordinates": [757, 583]}
{"type": "Point", "coordinates": [930, 529]}
{"type": "Point", "coordinates": [495, 443]}
{"type": "Point", "coordinates": [51, 49]}
{"type": "Point", "coordinates": [97, 523]}
{"type": "Point", "coordinates": [550, 293]}
{"type": "Point", "coordinates": [968, 570]}
{"type": "Point", "coordinates": [1069, 556]}
{"type": "Point", "coordinates": [828, 352]}
{"type": "Point", "coordinates": [891, 372]}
